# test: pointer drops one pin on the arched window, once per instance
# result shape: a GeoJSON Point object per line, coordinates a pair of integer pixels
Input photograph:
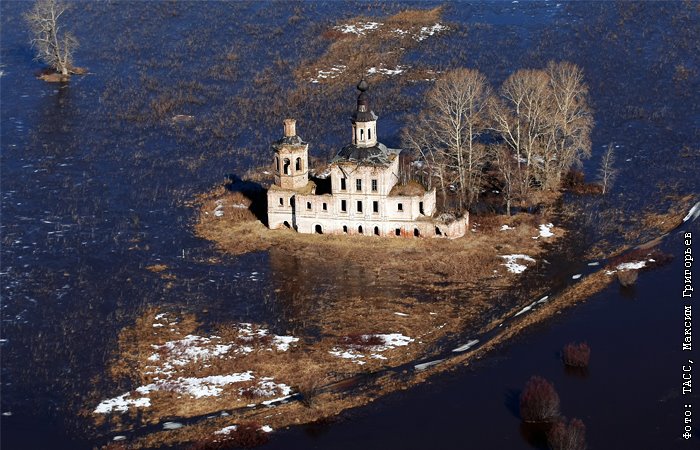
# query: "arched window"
{"type": "Point", "coordinates": [345, 229]}
{"type": "Point", "coordinates": [359, 229]}
{"type": "Point", "coordinates": [416, 233]}
{"type": "Point", "coordinates": [277, 163]}
{"type": "Point", "coordinates": [298, 164]}
{"type": "Point", "coordinates": [362, 135]}
{"type": "Point", "coordinates": [376, 231]}
{"type": "Point", "coordinates": [318, 229]}
{"type": "Point", "coordinates": [369, 133]}
{"type": "Point", "coordinates": [287, 163]}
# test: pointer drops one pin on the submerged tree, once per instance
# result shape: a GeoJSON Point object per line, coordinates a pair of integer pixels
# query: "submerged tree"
{"type": "Point", "coordinates": [54, 46]}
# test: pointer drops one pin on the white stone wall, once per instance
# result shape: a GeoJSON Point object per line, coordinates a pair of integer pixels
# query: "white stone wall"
{"type": "Point", "coordinates": [386, 178]}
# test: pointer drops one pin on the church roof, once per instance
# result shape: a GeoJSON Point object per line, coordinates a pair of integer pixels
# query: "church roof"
{"type": "Point", "coordinates": [377, 155]}
{"type": "Point", "coordinates": [288, 140]}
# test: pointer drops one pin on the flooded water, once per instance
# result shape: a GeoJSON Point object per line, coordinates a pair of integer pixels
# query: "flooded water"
{"type": "Point", "coordinates": [96, 178]}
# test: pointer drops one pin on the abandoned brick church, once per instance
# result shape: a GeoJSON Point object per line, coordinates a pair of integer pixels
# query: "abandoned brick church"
{"type": "Point", "coordinates": [366, 197]}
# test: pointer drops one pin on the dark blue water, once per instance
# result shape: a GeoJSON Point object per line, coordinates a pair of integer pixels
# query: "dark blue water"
{"type": "Point", "coordinates": [95, 181]}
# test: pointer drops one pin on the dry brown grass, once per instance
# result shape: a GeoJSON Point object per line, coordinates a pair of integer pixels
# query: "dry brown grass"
{"type": "Point", "coordinates": [379, 48]}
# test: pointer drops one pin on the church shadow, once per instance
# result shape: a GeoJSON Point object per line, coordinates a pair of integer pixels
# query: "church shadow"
{"type": "Point", "coordinates": [253, 191]}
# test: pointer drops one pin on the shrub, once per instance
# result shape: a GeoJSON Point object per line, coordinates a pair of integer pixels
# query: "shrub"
{"type": "Point", "coordinates": [361, 340]}
{"type": "Point", "coordinates": [576, 355]}
{"type": "Point", "coordinates": [567, 436]}
{"type": "Point", "coordinates": [539, 402]}
{"type": "Point", "coordinates": [627, 277]}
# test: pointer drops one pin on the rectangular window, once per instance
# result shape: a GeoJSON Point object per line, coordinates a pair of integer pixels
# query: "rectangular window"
{"type": "Point", "coordinates": [400, 206]}
{"type": "Point", "coordinates": [358, 184]}
{"type": "Point", "coordinates": [374, 185]}
{"type": "Point", "coordinates": [325, 207]}
{"type": "Point", "coordinates": [308, 205]}
{"type": "Point", "coordinates": [342, 184]}
{"type": "Point", "coordinates": [343, 206]}
{"type": "Point", "coordinates": [281, 201]}
{"type": "Point", "coordinates": [359, 206]}
{"type": "Point", "coordinates": [375, 206]}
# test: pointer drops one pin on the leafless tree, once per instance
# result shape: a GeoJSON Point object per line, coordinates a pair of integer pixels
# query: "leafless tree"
{"type": "Point", "coordinates": [507, 165]}
{"type": "Point", "coordinates": [571, 121]}
{"type": "Point", "coordinates": [607, 171]}
{"type": "Point", "coordinates": [448, 128]}
{"type": "Point", "coordinates": [54, 46]}
{"type": "Point", "coordinates": [521, 118]}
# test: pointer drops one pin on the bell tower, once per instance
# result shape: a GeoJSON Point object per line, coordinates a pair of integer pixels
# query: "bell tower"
{"type": "Point", "coordinates": [291, 159]}
{"type": "Point", "coordinates": [364, 121]}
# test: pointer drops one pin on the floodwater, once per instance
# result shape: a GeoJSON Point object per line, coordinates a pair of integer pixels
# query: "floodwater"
{"type": "Point", "coordinates": [95, 180]}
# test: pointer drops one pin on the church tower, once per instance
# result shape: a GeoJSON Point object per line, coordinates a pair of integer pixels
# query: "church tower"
{"type": "Point", "coordinates": [364, 121]}
{"type": "Point", "coordinates": [291, 159]}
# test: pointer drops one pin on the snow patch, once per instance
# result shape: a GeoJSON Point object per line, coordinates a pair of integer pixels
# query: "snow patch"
{"type": "Point", "coordinates": [358, 28]}
{"type": "Point", "coordinates": [632, 265]}
{"type": "Point", "coordinates": [466, 346]}
{"type": "Point", "coordinates": [122, 404]}
{"type": "Point", "coordinates": [512, 264]}
{"type": "Point", "coordinates": [227, 430]}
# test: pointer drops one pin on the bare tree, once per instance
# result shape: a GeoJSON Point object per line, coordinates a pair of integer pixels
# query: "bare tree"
{"type": "Point", "coordinates": [507, 166]}
{"type": "Point", "coordinates": [54, 47]}
{"type": "Point", "coordinates": [521, 118]}
{"type": "Point", "coordinates": [448, 128]}
{"type": "Point", "coordinates": [607, 171]}
{"type": "Point", "coordinates": [571, 121]}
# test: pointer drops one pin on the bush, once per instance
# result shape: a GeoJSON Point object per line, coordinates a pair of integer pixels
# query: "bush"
{"type": "Point", "coordinates": [627, 278]}
{"type": "Point", "coordinates": [539, 402]}
{"type": "Point", "coordinates": [576, 355]}
{"type": "Point", "coordinates": [246, 435]}
{"type": "Point", "coordinates": [567, 436]}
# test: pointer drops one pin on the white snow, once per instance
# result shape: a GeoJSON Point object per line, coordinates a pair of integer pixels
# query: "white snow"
{"type": "Point", "coordinates": [693, 213]}
{"type": "Point", "coordinates": [506, 228]}
{"type": "Point", "coordinates": [543, 299]}
{"type": "Point", "coordinates": [466, 346]}
{"type": "Point", "coordinates": [384, 71]}
{"type": "Point", "coordinates": [632, 265]}
{"type": "Point", "coordinates": [172, 425]}
{"type": "Point", "coordinates": [401, 314]}
{"type": "Point", "coordinates": [266, 428]}
{"type": "Point", "coordinates": [282, 342]}
{"type": "Point", "coordinates": [426, 32]}
{"type": "Point", "coordinates": [121, 404]}
{"type": "Point", "coordinates": [594, 263]}
{"type": "Point", "coordinates": [545, 231]}
{"type": "Point", "coordinates": [359, 28]}
{"type": "Point", "coordinates": [424, 366]}
{"type": "Point", "coordinates": [227, 430]}
{"type": "Point", "coordinates": [577, 276]}
{"type": "Point", "coordinates": [512, 265]}
{"type": "Point", "coordinates": [392, 340]}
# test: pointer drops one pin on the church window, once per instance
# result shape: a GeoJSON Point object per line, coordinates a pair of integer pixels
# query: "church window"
{"type": "Point", "coordinates": [298, 164]}
{"type": "Point", "coordinates": [343, 206]}
{"type": "Point", "coordinates": [375, 206]}
{"type": "Point", "coordinates": [369, 133]}
{"type": "Point", "coordinates": [342, 184]}
{"type": "Point", "coordinates": [359, 229]}
{"type": "Point", "coordinates": [287, 163]}
{"type": "Point", "coordinates": [376, 231]}
{"type": "Point", "coordinates": [359, 206]}
{"type": "Point", "coordinates": [308, 205]}
{"type": "Point", "coordinates": [362, 135]}
{"type": "Point", "coordinates": [400, 206]}
{"type": "Point", "coordinates": [281, 201]}
{"type": "Point", "coordinates": [358, 184]}
{"type": "Point", "coordinates": [374, 185]}
{"type": "Point", "coordinates": [345, 229]}
{"type": "Point", "coordinates": [325, 206]}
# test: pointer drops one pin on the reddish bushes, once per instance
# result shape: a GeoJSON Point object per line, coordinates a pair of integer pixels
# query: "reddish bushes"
{"type": "Point", "coordinates": [576, 354]}
{"type": "Point", "coordinates": [567, 436]}
{"type": "Point", "coordinates": [539, 402]}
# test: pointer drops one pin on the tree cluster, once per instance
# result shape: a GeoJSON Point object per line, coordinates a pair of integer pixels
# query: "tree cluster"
{"type": "Point", "coordinates": [530, 132]}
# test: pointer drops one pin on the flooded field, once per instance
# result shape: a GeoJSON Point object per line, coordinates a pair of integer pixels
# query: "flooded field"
{"type": "Point", "coordinates": [98, 176]}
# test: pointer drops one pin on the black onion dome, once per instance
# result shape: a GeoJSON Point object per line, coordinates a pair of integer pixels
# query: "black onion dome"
{"type": "Point", "coordinates": [363, 113]}
{"type": "Point", "coordinates": [362, 86]}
